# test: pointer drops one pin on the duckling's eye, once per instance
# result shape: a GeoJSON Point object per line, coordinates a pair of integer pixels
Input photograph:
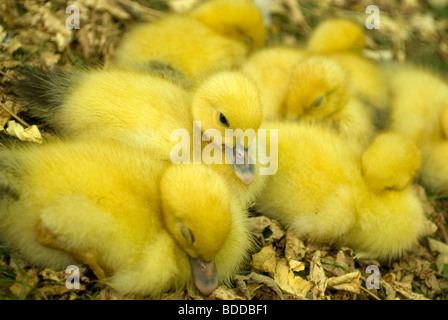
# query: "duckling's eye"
{"type": "Point", "coordinates": [318, 101]}
{"type": "Point", "coordinates": [248, 40]}
{"type": "Point", "coordinates": [187, 233]}
{"type": "Point", "coordinates": [223, 120]}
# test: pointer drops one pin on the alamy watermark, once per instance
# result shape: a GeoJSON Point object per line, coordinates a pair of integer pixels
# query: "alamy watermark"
{"type": "Point", "coordinates": [373, 280]}
{"type": "Point", "coordinates": [373, 21]}
{"type": "Point", "coordinates": [72, 22]}
{"type": "Point", "coordinates": [239, 153]}
{"type": "Point", "coordinates": [72, 281]}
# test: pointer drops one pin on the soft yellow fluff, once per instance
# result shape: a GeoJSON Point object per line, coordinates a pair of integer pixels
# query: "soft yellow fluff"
{"type": "Point", "coordinates": [334, 35]}
{"type": "Point", "coordinates": [369, 83]}
{"type": "Point", "coordinates": [320, 91]}
{"type": "Point", "coordinates": [419, 104]}
{"type": "Point", "coordinates": [320, 192]}
{"type": "Point", "coordinates": [296, 84]}
{"type": "Point", "coordinates": [403, 162]}
{"type": "Point", "coordinates": [217, 34]}
{"type": "Point", "coordinates": [133, 219]}
{"type": "Point", "coordinates": [270, 68]}
{"type": "Point", "coordinates": [239, 20]}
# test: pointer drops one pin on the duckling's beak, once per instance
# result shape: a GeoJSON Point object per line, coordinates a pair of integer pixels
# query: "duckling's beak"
{"type": "Point", "coordinates": [205, 275]}
{"type": "Point", "coordinates": [242, 162]}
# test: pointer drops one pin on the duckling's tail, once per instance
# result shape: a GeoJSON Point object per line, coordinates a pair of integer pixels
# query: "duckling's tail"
{"type": "Point", "coordinates": [43, 91]}
{"type": "Point", "coordinates": [9, 177]}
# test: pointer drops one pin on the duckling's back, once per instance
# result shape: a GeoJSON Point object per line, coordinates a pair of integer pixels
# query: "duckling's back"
{"type": "Point", "coordinates": [68, 180]}
{"type": "Point", "coordinates": [180, 41]}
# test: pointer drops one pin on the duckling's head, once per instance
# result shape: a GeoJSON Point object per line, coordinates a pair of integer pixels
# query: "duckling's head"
{"type": "Point", "coordinates": [240, 20]}
{"type": "Point", "coordinates": [318, 87]}
{"type": "Point", "coordinates": [196, 205]}
{"type": "Point", "coordinates": [227, 104]}
{"type": "Point", "coordinates": [390, 162]}
{"type": "Point", "coordinates": [337, 35]}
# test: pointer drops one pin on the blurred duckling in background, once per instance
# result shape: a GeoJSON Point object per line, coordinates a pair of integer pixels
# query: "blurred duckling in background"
{"type": "Point", "coordinates": [270, 69]}
{"type": "Point", "coordinates": [344, 41]}
{"type": "Point", "coordinates": [391, 217]}
{"type": "Point", "coordinates": [153, 112]}
{"type": "Point", "coordinates": [142, 226]}
{"type": "Point", "coordinates": [320, 91]}
{"type": "Point", "coordinates": [419, 109]}
{"type": "Point", "coordinates": [215, 35]}
{"type": "Point", "coordinates": [320, 192]}
{"type": "Point", "coordinates": [337, 35]}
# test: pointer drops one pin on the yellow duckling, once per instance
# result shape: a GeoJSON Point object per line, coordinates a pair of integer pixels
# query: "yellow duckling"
{"type": "Point", "coordinates": [335, 35]}
{"type": "Point", "coordinates": [320, 192]}
{"type": "Point", "coordinates": [344, 41]}
{"type": "Point", "coordinates": [295, 84]}
{"type": "Point", "coordinates": [320, 91]}
{"type": "Point", "coordinates": [270, 69]}
{"type": "Point", "coordinates": [390, 217]}
{"type": "Point", "coordinates": [215, 35]}
{"type": "Point", "coordinates": [419, 104]}
{"type": "Point", "coordinates": [144, 227]}
{"type": "Point", "coordinates": [154, 112]}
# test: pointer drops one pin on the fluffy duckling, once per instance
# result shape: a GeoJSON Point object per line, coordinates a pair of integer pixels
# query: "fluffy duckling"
{"type": "Point", "coordinates": [270, 68]}
{"type": "Point", "coordinates": [419, 104]}
{"type": "Point", "coordinates": [390, 216]}
{"type": "Point", "coordinates": [153, 112]}
{"type": "Point", "coordinates": [295, 84]}
{"type": "Point", "coordinates": [321, 91]}
{"type": "Point", "coordinates": [320, 192]}
{"type": "Point", "coordinates": [343, 41]}
{"type": "Point", "coordinates": [217, 34]}
{"type": "Point", "coordinates": [335, 35]}
{"type": "Point", "coordinates": [312, 190]}
{"type": "Point", "coordinates": [144, 227]}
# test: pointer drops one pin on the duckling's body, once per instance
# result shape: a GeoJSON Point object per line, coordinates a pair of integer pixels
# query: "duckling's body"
{"type": "Point", "coordinates": [319, 191]}
{"type": "Point", "coordinates": [117, 209]}
{"type": "Point", "coordinates": [215, 35]}
{"type": "Point", "coordinates": [419, 104]}
{"type": "Point", "coordinates": [151, 111]}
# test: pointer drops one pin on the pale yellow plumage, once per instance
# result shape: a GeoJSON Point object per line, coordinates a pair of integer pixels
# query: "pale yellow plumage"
{"type": "Point", "coordinates": [270, 68]}
{"type": "Point", "coordinates": [336, 35]}
{"type": "Point", "coordinates": [419, 104]}
{"type": "Point", "coordinates": [320, 192]}
{"type": "Point", "coordinates": [321, 91]}
{"type": "Point", "coordinates": [217, 34]}
{"type": "Point", "coordinates": [133, 219]}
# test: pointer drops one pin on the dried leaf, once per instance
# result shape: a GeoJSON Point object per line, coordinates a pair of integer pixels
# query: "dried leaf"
{"type": "Point", "coordinates": [224, 293]}
{"type": "Point", "coordinates": [348, 282]}
{"type": "Point", "coordinates": [295, 248]}
{"type": "Point", "coordinates": [257, 286]}
{"type": "Point", "coordinates": [29, 134]}
{"type": "Point", "coordinates": [264, 260]}
{"type": "Point", "coordinates": [288, 281]}
{"type": "Point", "coordinates": [442, 249]}
{"type": "Point", "coordinates": [25, 282]}
{"type": "Point", "coordinates": [317, 277]}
